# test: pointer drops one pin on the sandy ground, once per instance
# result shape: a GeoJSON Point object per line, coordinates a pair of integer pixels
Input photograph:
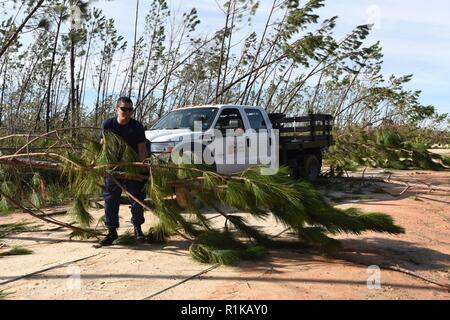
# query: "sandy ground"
{"type": "Point", "coordinates": [64, 269]}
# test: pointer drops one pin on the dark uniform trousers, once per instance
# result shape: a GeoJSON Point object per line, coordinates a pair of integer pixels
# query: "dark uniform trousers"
{"type": "Point", "coordinates": [112, 192]}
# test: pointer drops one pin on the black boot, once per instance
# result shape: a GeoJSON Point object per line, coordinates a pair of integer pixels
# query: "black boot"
{"type": "Point", "coordinates": [110, 238]}
{"type": "Point", "coordinates": [140, 237]}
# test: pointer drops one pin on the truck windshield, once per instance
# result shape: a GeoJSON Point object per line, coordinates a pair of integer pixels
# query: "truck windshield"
{"type": "Point", "coordinates": [185, 119]}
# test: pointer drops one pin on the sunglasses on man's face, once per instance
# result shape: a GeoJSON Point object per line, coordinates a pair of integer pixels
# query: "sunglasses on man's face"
{"type": "Point", "coordinates": [125, 109]}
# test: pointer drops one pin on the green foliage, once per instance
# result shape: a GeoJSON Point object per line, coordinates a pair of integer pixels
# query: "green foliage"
{"type": "Point", "coordinates": [10, 228]}
{"type": "Point", "coordinates": [126, 239]}
{"type": "Point", "coordinates": [85, 234]}
{"type": "Point", "coordinates": [16, 251]}
{"type": "Point", "coordinates": [224, 248]}
{"type": "Point", "coordinates": [204, 254]}
{"type": "Point", "coordinates": [446, 160]}
{"type": "Point", "coordinates": [386, 147]}
{"type": "Point", "coordinates": [242, 225]}
{"type": "Point", "coordinates": [159, 233]}
{"type": "Point", "coordinates": [293, 203]}
{"type": "Point", "coordinates": [4, 294]}
{"type": "Point", "coordinates": [318, 235]}
{"type": "Point", "coordinates": [5, 205]}
{"type": "Point", "coordinates": [79, 212]}
{"type": "Point", "coordinates": [38, 193]}
{"type": "Point", "coordinates": [254, 253]}
{"type": "Point", "coordinates": [38, 187]}
{"type": "Point", "coordinates": [296, 204]}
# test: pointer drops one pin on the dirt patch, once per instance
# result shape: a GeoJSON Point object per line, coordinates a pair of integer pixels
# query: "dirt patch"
{"type": "Point", "coordinates": [65, 269]}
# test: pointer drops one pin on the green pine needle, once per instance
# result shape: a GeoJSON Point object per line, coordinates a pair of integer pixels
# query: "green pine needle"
{"type": "Point", "coordinates": [16, 251]}
{"type": "Point", "coordinates": [37, 200]}
{"type": "Point", "coordinates": [254, 253]}
{"type": "Point", "coordinates": [85, 234]}
{"type": "Point", "coordinates": [8, 188]}
{"type": "Point", "coordinates": [296, 204]}
{"type": "Point", "coordinates": [6, 229]}
{"type": "Point", "coordinates": [79, 212]}
{"type": "Point", "coordinates": [159, 233]}
{"type": "Point", "coordinates": [4, 295]}
{"type": "Point", "coordinates": [242, 225]}
{"type": "Point", "coordinates": [204, 254]}
{"type": "Point", "coordinates": [219, 240]}
{"type": "Point", "coordinates": [446, 160]}
{"type": "Point", "coordinates": [316, 235]}
{"type": "Point", "coordinates": [126, 239]}
{"type": "Point", "coordinates": [387, 147]}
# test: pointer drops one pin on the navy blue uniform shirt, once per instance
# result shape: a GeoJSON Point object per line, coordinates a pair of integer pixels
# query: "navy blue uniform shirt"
{"type": "Point", "coordinates": [133, 132]}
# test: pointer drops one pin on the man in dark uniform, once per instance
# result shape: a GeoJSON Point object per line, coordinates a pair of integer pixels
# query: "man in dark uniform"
{"type": "Point", "coordinates": [133, 133]}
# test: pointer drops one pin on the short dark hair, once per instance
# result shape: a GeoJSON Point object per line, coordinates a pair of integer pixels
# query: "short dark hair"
{"type": "Point", "coordinates": [124, 100]}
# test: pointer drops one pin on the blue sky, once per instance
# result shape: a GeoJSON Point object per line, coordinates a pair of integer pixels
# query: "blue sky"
{"type": "Point", "coordinates": [415, 34]}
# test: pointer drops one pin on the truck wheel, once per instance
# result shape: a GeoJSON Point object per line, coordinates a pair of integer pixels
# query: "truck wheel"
{"type": "Point", "coordinates": [293, 166]}
{"type": "Point", "coordinates": [311, 169]}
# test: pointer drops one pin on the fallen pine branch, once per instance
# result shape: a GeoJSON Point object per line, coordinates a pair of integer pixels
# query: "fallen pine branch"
{"type": "Point", "coordinates": [416, 275]}
{"type": "Point", "coordinates": [395, 268]}
{"type": "Point", "coordinates": [409, 185]}
{"type": "Point", "coordinates": [46, 219]}
{"type": "Point", "coordinates": [417, 185]}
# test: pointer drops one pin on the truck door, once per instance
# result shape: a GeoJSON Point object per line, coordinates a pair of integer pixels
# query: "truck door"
{"type": "Point", "coordinates": [231, 157]}
{"type": "Point", "coordinates": [258, 137]}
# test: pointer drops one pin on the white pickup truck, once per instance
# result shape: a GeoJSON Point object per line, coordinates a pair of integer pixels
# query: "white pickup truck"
{"type": "Point", "coordinates": [296, 142]}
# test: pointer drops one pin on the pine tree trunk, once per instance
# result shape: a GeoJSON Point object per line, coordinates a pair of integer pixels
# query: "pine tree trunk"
{"type": "Point", "coordinates": [249, 85]}
{"type": "Point", "coordinates": [105, 88]}
{"type": "Point", "coordinates": [72, 85]}
{"type": "Point", "coordinates": [24, 87]}
{"type": "Point", "coordinates": [98, 93]}
{"type": "Point", "coordinates": [50, 77]}
{"type": "Point", "coordinates": [11, 39]}
{"type": "Point", "coordinates": [134, 49]}
{"type": "Point", "coordinates": [3, 91]}
{"type": "Point", "coordinates": [219, 69]}
{"type": "Point", "coordinates": [83, 78]}
{"type": "Point", "coordinates": [143, 86]}
{"type": "Point", "coordinates": [225, 71]}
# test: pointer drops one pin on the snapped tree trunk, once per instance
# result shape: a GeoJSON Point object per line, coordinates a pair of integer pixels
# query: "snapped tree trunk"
{"type": "Point", "coordinates": [72, 84]}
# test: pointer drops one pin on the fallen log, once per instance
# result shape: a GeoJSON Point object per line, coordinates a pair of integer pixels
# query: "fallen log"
{"type": "Point", "coordinates": [416, 185]}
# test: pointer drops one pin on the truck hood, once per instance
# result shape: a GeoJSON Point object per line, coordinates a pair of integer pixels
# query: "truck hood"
{"type": "Point", "coordinates": [171, 135]}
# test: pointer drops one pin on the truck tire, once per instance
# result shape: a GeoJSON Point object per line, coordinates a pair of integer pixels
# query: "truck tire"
{"type": "Point", "coordinates": [311, 167]}
{"type": "Point", "coordinates": [294, 168]}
